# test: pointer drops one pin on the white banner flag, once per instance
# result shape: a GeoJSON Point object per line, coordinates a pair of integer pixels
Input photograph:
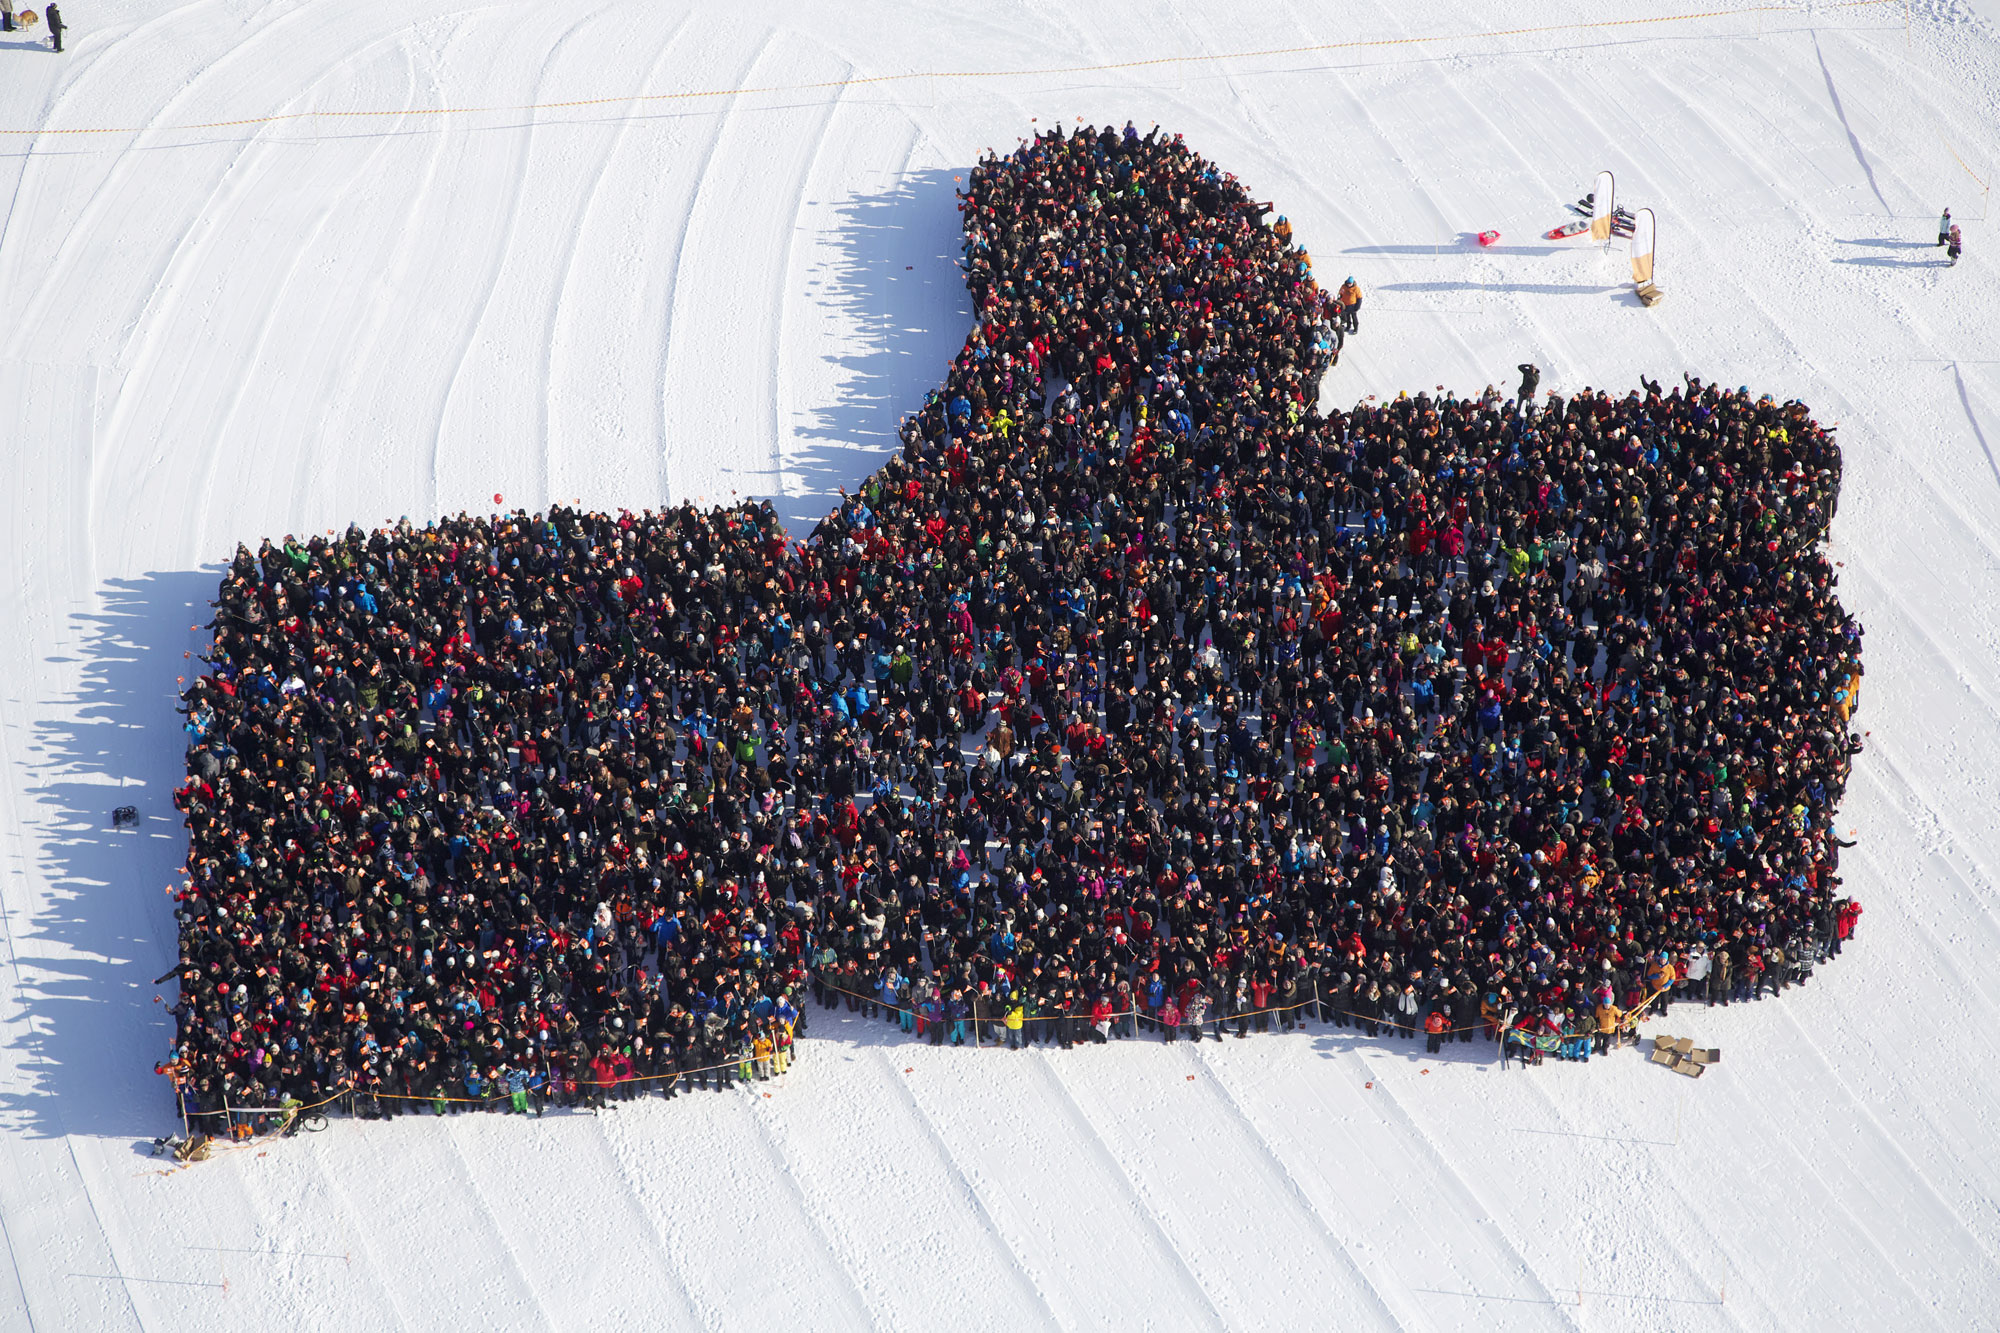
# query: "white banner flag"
{"type": "Point", "coordinates": [1600, 208]}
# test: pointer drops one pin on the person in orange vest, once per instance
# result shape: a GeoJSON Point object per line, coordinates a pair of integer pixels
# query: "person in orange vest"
{"type": "Point", "coordinates": [1350, 305]}
{"type": "Point", "coordinates": [760, 1052]}
{"type": "Point", "coordinates": [1435, 1024]}
{"type": "Point", "coordinates": [781, 1046]}
{"type": "Point", "coordinates": [1660, 976]}
{"type": "Point", "coordinates": [1489, 1015]}
{"type": "Point", "coordinates": [1609, 1016]}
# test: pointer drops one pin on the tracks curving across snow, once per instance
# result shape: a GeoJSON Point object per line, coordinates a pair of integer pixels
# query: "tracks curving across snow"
{"type": "Point", "coordinates": [216, 335]}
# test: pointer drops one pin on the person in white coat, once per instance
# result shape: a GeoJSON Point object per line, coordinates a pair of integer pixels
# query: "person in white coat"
{"type": "Point", "coordinates": [1699, 966]}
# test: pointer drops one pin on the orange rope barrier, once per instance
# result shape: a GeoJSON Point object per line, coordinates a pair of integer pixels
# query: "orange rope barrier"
{"type": "Point", "coordinates": [346, 1089]}
{"type": "Point", "coordinates": [274, 1110]}
{"type": "Point", "coordinates": [1154, 1017]}
{"type": "Point", "coordinates": [865, 80]}
{"type": "Point", "coordinates": [291, 1113]}
{"type": "Point", "coordinates": [1630, 1019]}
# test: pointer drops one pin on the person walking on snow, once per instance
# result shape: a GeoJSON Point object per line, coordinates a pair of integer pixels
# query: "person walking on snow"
{"type": "Point", "coordinates": [1350, 305]}
{"type": "Point", "coordinates": [1944, 227]}
{"type": "Point", "coordinates": [1953, 245]}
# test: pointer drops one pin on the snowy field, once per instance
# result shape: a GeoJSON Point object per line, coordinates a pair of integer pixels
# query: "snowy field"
{"type": "Point", "coordinates": [213, 334]}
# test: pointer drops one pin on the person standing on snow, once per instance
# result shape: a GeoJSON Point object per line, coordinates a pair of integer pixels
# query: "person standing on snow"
{"type": "Point", "coordinates": [1944, 227]}
{"type": "Point", "coordinates": [1953, 246]}
{"type": "Point", "coordinates": [1350, 305]}
{"type": "Point", "coordinates": [1609, 1016]}
{"type": "Point", "coordinates": [1699, 965]}
{"type": "Point", "coordinates": [55, 22]}
{"type": "Point", "coordinates": [1531, 379]}
{"type": "Point", "coordinates": [6, 15]}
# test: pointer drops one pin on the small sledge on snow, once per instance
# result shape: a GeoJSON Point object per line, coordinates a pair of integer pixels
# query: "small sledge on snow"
{"type": "Point", "coordinates": [194, 1148]}
{"type": "Point", "coordinates": [1597, 214]}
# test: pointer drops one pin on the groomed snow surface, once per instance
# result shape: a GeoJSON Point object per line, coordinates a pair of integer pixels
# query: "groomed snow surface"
{"type": "Point", "coordinates": [217, 334]}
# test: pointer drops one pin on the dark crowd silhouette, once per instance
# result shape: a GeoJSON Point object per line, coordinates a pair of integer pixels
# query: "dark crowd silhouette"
{"type": "Point", "coordinates": [1135, 693]}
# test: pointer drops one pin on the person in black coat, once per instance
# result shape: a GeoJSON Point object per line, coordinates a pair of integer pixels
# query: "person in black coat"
{"type": "Point", "coordinates": [55, 20]}
{"type": "Point", "coordinates": [1531, 379]}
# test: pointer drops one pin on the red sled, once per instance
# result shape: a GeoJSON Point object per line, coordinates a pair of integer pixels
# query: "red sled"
{"type": "Point", "coordinates": [1488, 237]}
{"type": "Point", "coordinates": [1567, 230]}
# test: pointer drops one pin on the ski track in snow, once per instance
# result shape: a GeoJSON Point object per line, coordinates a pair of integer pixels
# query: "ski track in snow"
{"type": "Point", "coordinates": [215, 335]}
{"type": "Point", "coordinates": [1090, 1138]}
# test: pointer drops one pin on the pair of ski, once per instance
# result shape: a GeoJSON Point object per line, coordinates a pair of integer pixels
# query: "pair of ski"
{"type": "Point", "coordinates": [1586, 208]}
{"type": "Point", "coordinates": [1621, 222]}
{"type": "Point", "coordinates": [1596, 214]}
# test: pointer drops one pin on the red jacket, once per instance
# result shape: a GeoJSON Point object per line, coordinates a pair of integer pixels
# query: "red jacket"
{"type": "Point", "coordinates": [1848, 915]}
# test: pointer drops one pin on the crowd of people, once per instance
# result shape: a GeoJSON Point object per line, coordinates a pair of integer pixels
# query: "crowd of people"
{"type": "Point", "coordinates": [1135, 693]}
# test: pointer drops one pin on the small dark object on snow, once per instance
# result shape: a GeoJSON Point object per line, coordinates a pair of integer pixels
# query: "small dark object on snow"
{"type": "Point", "coordinates": [125, 816]}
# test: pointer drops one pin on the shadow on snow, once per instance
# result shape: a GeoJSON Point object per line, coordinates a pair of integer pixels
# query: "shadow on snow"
{"type": "Point", "coordinates": [104, 930]}
{"type": "Point", "coordinates": [894, 277]}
